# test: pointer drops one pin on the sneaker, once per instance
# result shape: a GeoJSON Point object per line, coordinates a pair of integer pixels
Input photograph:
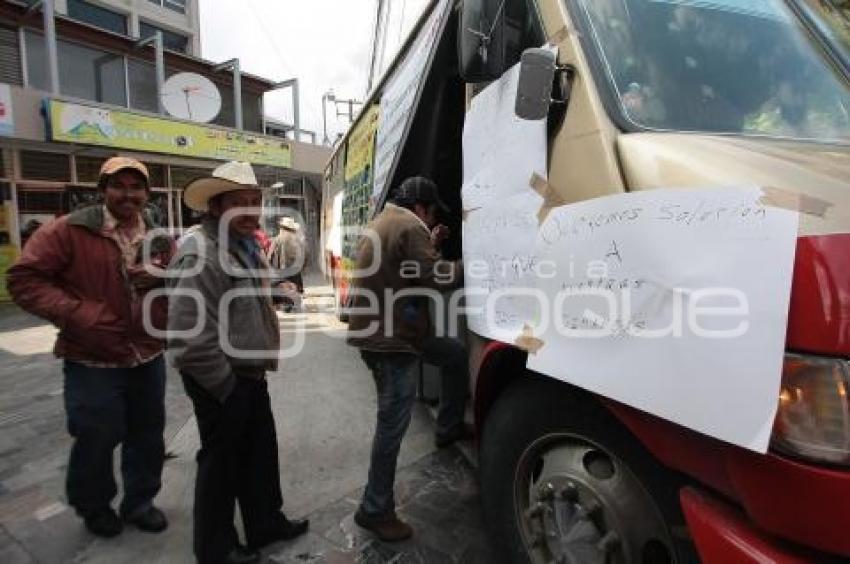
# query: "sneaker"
{"type": "Point", "coordinates": [387, 529]}
{"type": "Point", "coordinates": [462, 432]}
{"type": "Point", "coordinates": [149, 520]}
{"type": "Point", "coordinates": [103, 522]}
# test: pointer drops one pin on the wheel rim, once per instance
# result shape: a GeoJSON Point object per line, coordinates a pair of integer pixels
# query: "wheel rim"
{"type": "Point", "coordinates": [578, 503]}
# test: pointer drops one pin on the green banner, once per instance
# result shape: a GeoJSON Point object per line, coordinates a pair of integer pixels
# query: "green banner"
{"type": "Point", "coordinates": [91, 125]}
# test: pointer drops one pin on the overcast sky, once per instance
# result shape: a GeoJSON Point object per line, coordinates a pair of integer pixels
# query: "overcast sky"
{"type": "Point", "coordinates": [326, 44]}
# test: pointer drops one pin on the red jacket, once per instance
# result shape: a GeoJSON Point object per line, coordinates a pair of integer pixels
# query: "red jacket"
{"type": "Point", "coordinates": [76, 278]}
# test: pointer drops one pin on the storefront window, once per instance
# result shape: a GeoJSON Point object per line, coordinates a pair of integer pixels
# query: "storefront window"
{"type": "Point", "coordinates": [88, 168]}
{"type": "Point", "coordinates": [84, 73]}
{"type": "Point", "coordinates": [36, 165]}
{"type": "Point", "coordinates": [156, 209]}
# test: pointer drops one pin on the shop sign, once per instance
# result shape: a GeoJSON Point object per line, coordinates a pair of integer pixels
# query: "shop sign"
{"type": "Point", "coordinates": [7, 118]}
{"type": "Point", "coordinates": [8, 251]}
{"type": "Point", "coordinates": [361, 145]}
{"type": "Point", "coordinates": [92, 125]}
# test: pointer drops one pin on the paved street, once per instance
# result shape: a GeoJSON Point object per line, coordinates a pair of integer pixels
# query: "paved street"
{"type": "Point", "coordinates": [323, 400]}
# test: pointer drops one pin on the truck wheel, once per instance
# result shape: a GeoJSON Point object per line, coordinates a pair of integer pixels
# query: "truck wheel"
{"type": "Point", "coordinates": [563, 481]}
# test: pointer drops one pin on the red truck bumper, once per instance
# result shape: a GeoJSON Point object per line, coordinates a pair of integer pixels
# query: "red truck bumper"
{"type": "Point", "coordinates": [723, 534]}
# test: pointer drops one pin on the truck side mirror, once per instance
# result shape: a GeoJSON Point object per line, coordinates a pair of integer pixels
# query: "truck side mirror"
{"type": "Point", "coordinates": [534, 90]}
{"type": "Point", "coordinates": [480, 40]}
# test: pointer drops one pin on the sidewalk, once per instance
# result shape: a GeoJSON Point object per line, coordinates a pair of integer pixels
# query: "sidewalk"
{"type": "Point", "coordinates": [323, 400]}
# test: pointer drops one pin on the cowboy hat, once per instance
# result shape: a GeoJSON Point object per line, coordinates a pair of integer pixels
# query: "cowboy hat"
{"type": "Point", "coordinates": [233, 175]}
{"type": "Point", "coordinates": [288, 223]}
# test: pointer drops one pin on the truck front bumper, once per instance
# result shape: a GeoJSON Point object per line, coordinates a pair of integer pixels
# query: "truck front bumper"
{"type": "Point", "coordinates": [722, 533]}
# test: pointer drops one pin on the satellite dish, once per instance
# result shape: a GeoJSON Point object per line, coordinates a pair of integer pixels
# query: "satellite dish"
{"type": "Point", "coordinates": [187, 95]}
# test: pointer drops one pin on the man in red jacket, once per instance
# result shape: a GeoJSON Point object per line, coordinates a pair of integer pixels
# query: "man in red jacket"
{"type": "Point", "coordinates": [84, 272]}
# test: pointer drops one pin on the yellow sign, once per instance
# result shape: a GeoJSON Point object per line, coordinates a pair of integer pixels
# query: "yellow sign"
{"type": "Point", "coordinates": [8, 256]}
{"type": "Point", "coordinates": [8, 251]}
{"type": "Point", "coordinates": [361, 144]}
{"type": "Point", "coordinates": [78, 123]}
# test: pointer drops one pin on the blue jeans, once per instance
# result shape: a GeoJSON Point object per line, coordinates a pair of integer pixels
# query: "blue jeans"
{"type": "Point", "coordinates": [395, 382]}
{"type": "Point", "coordinates": [107, 407]}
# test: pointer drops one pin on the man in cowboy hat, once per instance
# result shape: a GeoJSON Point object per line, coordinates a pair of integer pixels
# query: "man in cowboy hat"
{"type": "Point", "coordinates": [223, 362]}
{"type": "Point", "coordinates": [287, 255]}
{"type": "Point", "coordinates": [85, 272]}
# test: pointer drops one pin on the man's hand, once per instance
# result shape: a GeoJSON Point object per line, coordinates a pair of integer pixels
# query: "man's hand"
{"type": "Point", "coordinates": [288, 287]}
{"type": "Point", "coordinates": [439, 234]}
{"type": "Point", "coordinates": [142, 279]}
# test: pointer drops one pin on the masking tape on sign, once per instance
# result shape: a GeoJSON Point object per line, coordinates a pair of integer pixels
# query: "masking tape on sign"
{"type": "Point", "coordinates": [551, 198]}
{"type": "Point", "coordinates": [559, 36]}
{"type": "Point", "coordinates": [528, 342]}
{"type": "Point", "coordinates": [809, 205]}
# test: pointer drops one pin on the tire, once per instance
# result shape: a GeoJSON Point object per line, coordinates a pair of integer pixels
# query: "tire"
{"type": "Point", "coordinates": [562, 480]}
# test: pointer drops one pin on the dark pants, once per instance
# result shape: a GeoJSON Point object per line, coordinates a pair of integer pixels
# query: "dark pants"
{"type": "Point", "coordinates": [237, 460]}
{"type": "Point", "coordinates": [395, 382]}
{"type": "Point", "coordinates": [105, 407]}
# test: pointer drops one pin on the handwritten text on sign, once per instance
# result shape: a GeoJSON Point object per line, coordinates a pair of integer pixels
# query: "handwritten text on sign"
{"type": "Point", "coordinates": [498, 251]}
{"type": "Point", "coordinates": [672, 301]}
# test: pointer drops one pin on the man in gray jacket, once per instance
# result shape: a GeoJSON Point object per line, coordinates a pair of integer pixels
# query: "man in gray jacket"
{"type": "Point", "coordinates": [223, 335]}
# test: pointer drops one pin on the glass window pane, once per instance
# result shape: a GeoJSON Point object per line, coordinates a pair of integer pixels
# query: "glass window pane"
{"type": "Point", "coordinates": [142, 85]}
{"type": "Point", "coordinates": [251, 118]}
{"type": "Point", "coordinates": [176, 5]}
{"type": "Point", "coordinates": [97, 16]}
{"type": "Point", "coordinates": [225, 116]}
{"type": "Point", "coordinates": [36, 165]}
{"type": "Point", "coordinates": [181, 176]}
{"type": "Point", "coordinates": [157, 175]}
{"type": "Point", "coordinates": [36, 60]}
{"type": "Point", "coordinates": [171, 40]}
{"type": "Point", "coordinates": [83, 72]}
{"type": "Point", "coordinates": [90, 74]}
{"type": "Point", "coordinates": [725, 66]}
{"type": "Point", "coordinates": [10, 57]}
{"type": "Point", "coordinates": [88, 168]}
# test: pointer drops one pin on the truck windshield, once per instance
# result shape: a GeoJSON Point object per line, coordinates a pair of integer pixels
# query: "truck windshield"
{"type": "Point", "coordinates": [726, 66]}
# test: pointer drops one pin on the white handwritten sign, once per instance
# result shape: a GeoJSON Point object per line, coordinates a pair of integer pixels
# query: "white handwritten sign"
{"type": "Point", "coordinates": [674, 302]}
{"type": "Point", "coordinates": [500, 151]}
{"type": "Point", "coordinates": [499, 260]}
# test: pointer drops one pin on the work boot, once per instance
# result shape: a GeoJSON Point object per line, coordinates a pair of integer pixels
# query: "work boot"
{"type": "Point", "coordinates": [387, 528]}
{"type": "Point", "coordinates": [242, 555]}
{"type": "Point", "coordinates": [103, 522]}
{"type": "Point", "coordinates": [287, 530]}
{"type": "Point", "coordinates": [149, 519]}
{"type": "Point", "coordinates": [462, 432]}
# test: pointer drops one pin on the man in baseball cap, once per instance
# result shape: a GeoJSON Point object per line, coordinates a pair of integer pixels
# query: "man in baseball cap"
{"type": "Point", "coordinates": [86, 273]}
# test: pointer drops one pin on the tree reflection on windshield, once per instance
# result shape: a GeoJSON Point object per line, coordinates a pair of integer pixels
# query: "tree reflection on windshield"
{"type": "Point", "coordinates": [730, 66]}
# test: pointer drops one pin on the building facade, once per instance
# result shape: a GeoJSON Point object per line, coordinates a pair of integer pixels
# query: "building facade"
{"type": "Point", "coordinates": [107, 102]}
{"type": "Point", "coordinates": [179, 20]}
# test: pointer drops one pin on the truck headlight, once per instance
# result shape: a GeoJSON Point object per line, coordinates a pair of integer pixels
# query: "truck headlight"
{"type": "Point", "coordinates": [813, 420]}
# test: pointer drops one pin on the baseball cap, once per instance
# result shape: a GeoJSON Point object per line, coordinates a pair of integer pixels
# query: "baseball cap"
{"type": "Point", "coordinates": [420, 189]}
{"type": "Point", "coordinates": [116, 164]}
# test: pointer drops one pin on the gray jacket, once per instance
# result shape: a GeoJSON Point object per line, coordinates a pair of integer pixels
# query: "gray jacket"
{"type": "Point", "coordinates": [245, 342]}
